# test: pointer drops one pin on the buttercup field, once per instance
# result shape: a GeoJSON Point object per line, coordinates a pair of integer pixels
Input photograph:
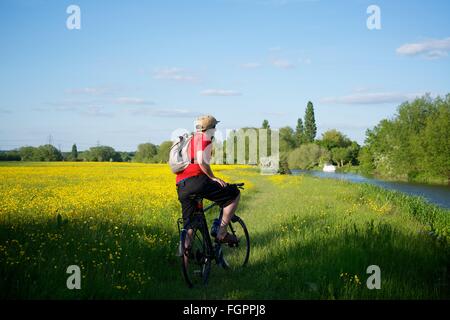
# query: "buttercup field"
{"type": "Point", "coordinates": [225, 158]}
{"type": "Point", "coordinates": [311, 238]}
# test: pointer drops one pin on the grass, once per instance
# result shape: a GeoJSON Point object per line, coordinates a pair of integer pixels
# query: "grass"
{"type": "Point", "coordinates": [311, 239]}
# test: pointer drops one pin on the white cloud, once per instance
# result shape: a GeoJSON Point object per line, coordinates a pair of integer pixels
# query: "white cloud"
{"type": "Point", "coordinates": [133, 101]}
{"type": "Point", "coordinates": [283, 64]}
{"type": "Point", "coordinates": [95, 111]}
{"type": "Point", "coordinates": [163, 113]}
{"type": "Point", "coordinates": [89, 90]}
{"type": "Point", "coordinates": [372, 98]}
{"type": "Point", "coordinates": [175, 74]}
{"type": "Point", "coordinates": [431, 49]}
{"type": "Point", "coordinates": [251, 65]}
{"type": "Point", "coordinates": [81, 109]}
{"type": "Point", "coordinates": [220, 92]}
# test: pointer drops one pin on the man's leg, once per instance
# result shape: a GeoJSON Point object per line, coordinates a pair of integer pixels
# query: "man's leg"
{"type": "Point", "coordinates": [228, 213]}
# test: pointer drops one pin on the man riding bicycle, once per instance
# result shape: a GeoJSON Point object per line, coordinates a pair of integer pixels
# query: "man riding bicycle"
{"type": "Point", "coordinates": [199, 180]}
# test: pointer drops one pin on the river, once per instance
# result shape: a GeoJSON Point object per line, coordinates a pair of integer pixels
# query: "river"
{"type": "Point", "coordinates": [439, 195]}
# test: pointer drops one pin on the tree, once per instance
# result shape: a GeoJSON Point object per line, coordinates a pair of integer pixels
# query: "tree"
{"type": "Point", "coordinates": [48, 152]}
{"type": "Point", "coordinates": [310, 123]}
{"type": "Point", "coordinates": [10, 155]}
{"type": "Point", "coordinates": [340, 156]}
{"type": "Point", "coordinates": [28, 153]}
{"type": "Point", "coordinates": [125, 157]}
{"type": "Point", "coordinates": [265, 124]}
{"type": "Point", "coordinates": [163, 152]}
{"type": "Point", "coordinates": [414, 144]}
{"type": "Point", "coordinates": [334, 139]}
{"type": "Point", "coordinates": [307, 156]}
{"type": "Point", "coordinates": [353, 150]}
{"type": "Point", "coordinates": [365, 158]}
{"type": "Point", "coordinates": [102, 153]}
{"type": "Point", "coordinates": [287, 139]}
{"type": "Point", "coordinates": [146, 152]}
{"type": "Point", "coordinates": [74, 154]}
{"type": "Point", "coordinates": [299, 132]}
{"type": "Point", "coordinates": [436, 141]}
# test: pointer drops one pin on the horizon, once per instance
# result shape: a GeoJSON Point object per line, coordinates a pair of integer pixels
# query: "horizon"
{"type": "Point", "coordinates": [135, 72]}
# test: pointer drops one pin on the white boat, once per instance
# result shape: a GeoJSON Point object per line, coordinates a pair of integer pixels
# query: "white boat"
{"type": "Point", "coordinates": [329, 168]}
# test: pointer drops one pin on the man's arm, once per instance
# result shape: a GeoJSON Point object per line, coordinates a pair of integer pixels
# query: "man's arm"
{"type": "Point", "coordinates": [203, 160]}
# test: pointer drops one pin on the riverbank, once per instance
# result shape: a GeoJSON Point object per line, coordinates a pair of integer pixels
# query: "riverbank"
{"type": "Point", "coordinates": [311, 238]}
{"type": "Point", "coordinates": [416, 179]}
{"type": "Point", "coordinates": [434, 194]}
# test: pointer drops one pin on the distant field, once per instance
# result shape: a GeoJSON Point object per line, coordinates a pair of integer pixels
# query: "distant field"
{"type": "Point", "coordinates": [311, 238]}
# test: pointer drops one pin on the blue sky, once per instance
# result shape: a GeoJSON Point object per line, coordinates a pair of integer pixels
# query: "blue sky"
{"type": "Point", "coordinates": [137, 70]}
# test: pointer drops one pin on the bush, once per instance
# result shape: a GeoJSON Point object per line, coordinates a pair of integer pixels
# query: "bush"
{"type": "Point", "coordinates": [9, 156]}
{"type": "Point", "coordinates": [307, 156]}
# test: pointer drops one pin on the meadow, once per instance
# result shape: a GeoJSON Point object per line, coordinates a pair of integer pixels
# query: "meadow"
{"type": "Point", "coordinates": [311, 238]}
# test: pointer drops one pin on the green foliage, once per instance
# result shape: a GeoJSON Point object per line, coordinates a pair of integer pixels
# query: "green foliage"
{"type": "Point", "coordinates": [365, 159]}
{"type": "Point", "coordinates": [340, 156]}
{"type": "Point", "coordinates": [125, 156]}
{"type": "Point", "coordinates": [307, 156]}
{"type": "Point", "coordinates": [415, 144]}
{"type": "Point", "coordinates": [163, 152]}
{"type": "Point", "coordinates": [299, 132]}
{"type": "Point", "coordinates": [342, 149]}
{"type": "Point", "coordinates": [47, 152]}
{"type": "Point", "coordinates": [146, 152]}
{"type": "Point", "coordinates": [283, 165]}
{"type": "Point", "coordinates": [310, 123]}
{"type": "Point", "coordinates": [265, 124]}
{"type": "Point", "coordinates": [10, 155]}
{"type": "Point", "coordinates": [28, 153]}
{"type": "Point", "coordinates": [334, 139]}
{"type": "Point", "coordinates": [102, 153]}
{"type": "Point", "coordinates": [74, 154]}
{"type": "Point", "coordinates": [287, 139]}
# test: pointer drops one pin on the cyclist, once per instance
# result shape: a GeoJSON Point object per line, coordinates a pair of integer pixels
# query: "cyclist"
{"type": "Point", "coordinates": [198, 179]}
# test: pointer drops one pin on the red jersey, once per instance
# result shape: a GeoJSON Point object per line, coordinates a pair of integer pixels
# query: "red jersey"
{"type": "Point", "coordinates": [198, 143]}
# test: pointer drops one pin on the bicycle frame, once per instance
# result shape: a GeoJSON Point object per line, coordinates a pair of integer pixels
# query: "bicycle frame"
{"type": "Point", "coordinates": [211, 250]}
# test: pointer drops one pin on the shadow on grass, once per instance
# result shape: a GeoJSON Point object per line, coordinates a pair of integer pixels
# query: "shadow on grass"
{"type": "Point", "coordinates": [139, 262]}
{"type": "Point", "coordinates": [324, 265]}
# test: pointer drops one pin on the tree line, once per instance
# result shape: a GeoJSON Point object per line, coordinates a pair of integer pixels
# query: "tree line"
{"type": "Point", "coordinates": [146, 152]}
{"type": "Point", "coordinates": [299, 148]}
{"type": "Point", "coordinates": [414, 145]}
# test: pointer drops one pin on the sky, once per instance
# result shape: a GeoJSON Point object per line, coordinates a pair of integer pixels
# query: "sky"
{"type": "Point", "coordinates": [137, 70]}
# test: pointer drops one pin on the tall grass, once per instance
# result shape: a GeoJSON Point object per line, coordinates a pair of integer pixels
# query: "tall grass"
{"type": "Point", "coordinates": [311, 239]}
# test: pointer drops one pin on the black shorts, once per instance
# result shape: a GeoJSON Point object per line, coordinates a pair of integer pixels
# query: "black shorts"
{"type": "Point", "coordinates": [206, 188]}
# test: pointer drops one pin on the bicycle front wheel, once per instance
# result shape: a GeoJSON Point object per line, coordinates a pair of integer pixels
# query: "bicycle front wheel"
{"type": "Point", "coordinates": [196, 256]}
{"type": "Point", "coordinates": [236, 256]}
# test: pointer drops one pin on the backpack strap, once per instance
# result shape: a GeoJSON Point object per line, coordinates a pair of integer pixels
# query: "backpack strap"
{"type": "Point", "coordinates": [191, 151]}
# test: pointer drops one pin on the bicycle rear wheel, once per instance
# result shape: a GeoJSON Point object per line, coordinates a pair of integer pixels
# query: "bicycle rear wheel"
{"type": "Point", "coordinates": [236, 256]}
{"type": "Point", "coordinates": [196, 256]}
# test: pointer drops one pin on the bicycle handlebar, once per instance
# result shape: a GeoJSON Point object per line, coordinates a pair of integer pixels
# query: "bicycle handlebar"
{"type": "Point", "coordinates": [239, 185]}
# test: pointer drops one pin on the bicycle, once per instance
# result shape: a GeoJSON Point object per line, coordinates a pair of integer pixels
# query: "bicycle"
{"type": "Point", "coordinates": [197, 250]}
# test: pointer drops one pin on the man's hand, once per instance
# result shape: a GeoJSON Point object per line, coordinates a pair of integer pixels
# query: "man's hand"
{"type": "Point", "coordinates": [219, 181]}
